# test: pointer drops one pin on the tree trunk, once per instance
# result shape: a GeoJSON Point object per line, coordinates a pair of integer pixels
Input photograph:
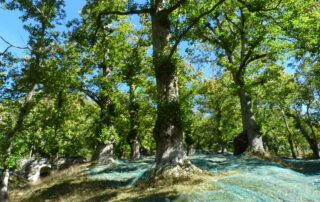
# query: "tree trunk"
{"type": "Point", "coordinates": [297, 150]}
{"type": "Point", "coordinates": [105, 121]}
{"type": "Point", "coordinates": [291, 147]}
{"type": "Point", "coordinates": [190, 150]}
{"type": "Point", "coordinates": [250, 127]}
{"type": "Point", "coordinates": [24, 110]}
{"type": "Point", "coordinates": [135, 150]}
{"type": "Point", "coordinates": [4, 188]}
{"type": "Point", "coordinates": [219, 132]}
{"type": "Point", "coordinates": [106, 112]}
{"type": "Point", "coordinates": [133, 133]}
{"type": "Point", "coordinates": [5, 179]}
{"type": "Point", "coordinates": [289, 135]}
{"type": "Point", "coordinates": [168, 129]}
{"type": "Point", "coordinates": [309, 136]}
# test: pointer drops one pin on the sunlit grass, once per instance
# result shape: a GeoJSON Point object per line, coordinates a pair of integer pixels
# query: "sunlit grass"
{"type": "Point", "coordinates": [73, 185]}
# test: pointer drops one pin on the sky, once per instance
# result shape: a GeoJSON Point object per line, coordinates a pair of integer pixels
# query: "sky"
{"type": "Point", "coordinates": [11, 27]}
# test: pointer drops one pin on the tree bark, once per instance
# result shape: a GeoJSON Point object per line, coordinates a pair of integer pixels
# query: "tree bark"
{"type": "Point", "coordinates": [104, 121]}
{"type": "Point", "coordinates": [133, 133]}
{"type": "Point", "coordinates": [135, 150]}
{"type": "Point", "coordinates": [168, 127]}
{"type": "Point", "coordinates": [291, 147]}
{"type": "Point", "coordinates": [24, 110]}
{"type": "Point", "coordinates": [289, 135]}
{"type": "Point", "coordinates": [308, 135]}
{"type": "Point", "coordinates": [190, 150]}
{"type": "Point", "coordinates": [297, 150]}
{"type": "Point", "coordinates": [106, 112]}
{"type": "Point", "coordinates": [250, 127]}
{"type": "Point", "coordinates": [219, 132]}
{"type": "Point", "coordinates": [311, 139]}
{"type": "Point", "coordinates": [4, 186]}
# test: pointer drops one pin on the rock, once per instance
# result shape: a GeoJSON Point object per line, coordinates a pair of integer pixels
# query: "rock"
{"type": "Point", "coordinates": [35, 169]}
{"type": "Point", "coordinates": [191, 151]}
{"type": "Point", "coordinates": [106, 154]}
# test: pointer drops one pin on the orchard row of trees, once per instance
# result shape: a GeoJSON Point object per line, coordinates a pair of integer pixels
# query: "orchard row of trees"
{"type": "Point", "coordinates": [131, 74]}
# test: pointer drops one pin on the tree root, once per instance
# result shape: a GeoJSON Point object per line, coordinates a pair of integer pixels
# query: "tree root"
{"type": "Point", "coordinates": [173, 174]}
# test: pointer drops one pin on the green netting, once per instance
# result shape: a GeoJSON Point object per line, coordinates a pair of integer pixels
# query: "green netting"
{"type": "Point", "coordinates": [121, 173]}
{"type": "Point", "coordinates": [251, 179]}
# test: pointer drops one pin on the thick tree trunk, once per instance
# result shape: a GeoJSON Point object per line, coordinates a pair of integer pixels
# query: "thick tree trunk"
{"type": "Point", "coordinates": [105, 119]}
{"type": "Point", "coordinates": [250, 127]}
{"type": "Point", "coordinates": [168, 130]}
{"type": "Point", "coordinates": [106, 112]}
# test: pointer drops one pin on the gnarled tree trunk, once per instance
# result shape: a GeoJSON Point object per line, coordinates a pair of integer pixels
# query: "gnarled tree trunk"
{"type": "Point", "coordinates": [250, 127]}
{"type": "Point", "coordinates": [168, 129]}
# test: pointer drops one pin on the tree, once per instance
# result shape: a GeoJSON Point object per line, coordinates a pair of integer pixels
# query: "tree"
{"type": "Point", "coordinates": [219, 101]}
{"type": "Point", "coordinates": [243, 41]}
{"type": "Point", "coordinates": [101, 51]}
{"type": "Point", "coordinates": [135, 76]}
{"type": "Point", "coordinates": [43, 15]}
{"type": "Point", "coordinates": [165, 37]}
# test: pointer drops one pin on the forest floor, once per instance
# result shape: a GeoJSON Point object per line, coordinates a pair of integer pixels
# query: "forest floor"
{"type": "Point", "coordinates": [228, 178]}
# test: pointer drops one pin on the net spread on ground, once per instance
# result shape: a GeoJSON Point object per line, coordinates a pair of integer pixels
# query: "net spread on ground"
{"type": "Point", "coordinates": [249, 179]}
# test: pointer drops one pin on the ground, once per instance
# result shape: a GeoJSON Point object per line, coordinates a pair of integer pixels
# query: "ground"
{"type": "Point", "coordinates": [228, 178]}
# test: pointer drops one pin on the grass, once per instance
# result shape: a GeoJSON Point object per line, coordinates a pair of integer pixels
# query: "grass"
{"type": "Point", "coordinates": [73, 185]}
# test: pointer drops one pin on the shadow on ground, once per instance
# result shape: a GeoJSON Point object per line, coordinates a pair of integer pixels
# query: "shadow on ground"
{"type": "Point", "coordinates": [68, 188]}
{"type": "Point", "coordinates": [251, 179]}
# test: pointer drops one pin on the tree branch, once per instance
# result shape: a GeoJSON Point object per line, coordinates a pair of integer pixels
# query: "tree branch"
{"type": "Point", "coordinates": [193, 23]}
{"type": "Point", "coordinates": [221, 43]}
{"type": "Point", "coordinates": [243, 37]}
{"type": "Point", "coordinates": [90, 94]}
{"type": "Point", "coordinates": [129, 12]}
{"type": "Point", "coordinates": [257, 9]}
{"type": "Point", "coordinates": [256, 57]}
{"type": "Point", "coordinates": [174, 7]}
{"type": "Point", "coordinates": [233, 23]}
{"type": "Point", "coordinates": [10, 45]}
